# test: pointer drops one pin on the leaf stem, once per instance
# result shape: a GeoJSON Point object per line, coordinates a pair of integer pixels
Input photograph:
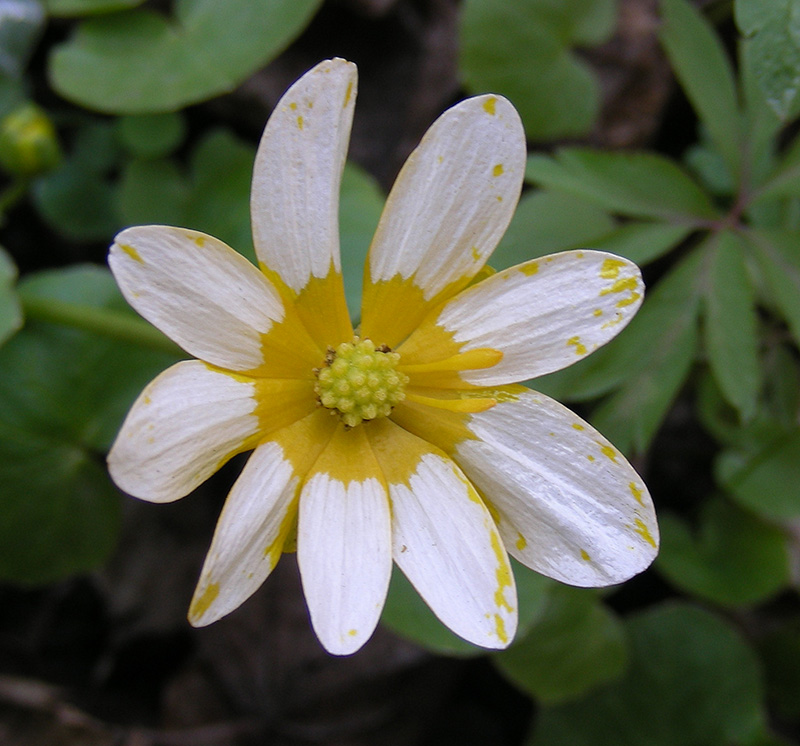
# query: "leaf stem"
{"type": "Point", "coordinates": [106, 322]}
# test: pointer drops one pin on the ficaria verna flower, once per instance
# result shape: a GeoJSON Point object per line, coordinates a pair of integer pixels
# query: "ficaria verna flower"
{"type": "Point", "coordinates": [403, 440]}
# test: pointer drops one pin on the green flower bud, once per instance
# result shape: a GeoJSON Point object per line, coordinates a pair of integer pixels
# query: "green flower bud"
{"type": "Point", "coordinates": [28, 142]}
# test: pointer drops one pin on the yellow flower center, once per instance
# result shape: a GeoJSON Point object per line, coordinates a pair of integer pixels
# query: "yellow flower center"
{"type": "Point", "coordinates": [360, 382]}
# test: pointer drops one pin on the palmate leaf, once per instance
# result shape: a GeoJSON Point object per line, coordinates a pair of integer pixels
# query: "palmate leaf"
{"type": "Point", "coordinates": [63, 395]}
{"type": "Point", "coordinates": [779, 261]}
{"type": "Point", "coordinates": [765, 480]}
{"type": "Point", "coordinates": [731, 325]}
{"type": "Point", "coordinates": [706, 75]}
{"type": "Point", "coordinates": [774, 30]}
{"type": "Point", "coordinates": [139, 62]}
{"type": "Point", "coordinates": [635, 184]}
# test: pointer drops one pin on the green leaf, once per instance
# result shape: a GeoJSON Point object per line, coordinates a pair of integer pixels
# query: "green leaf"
{"type": "Point", "coordinates": [780, 263]}
{"type": "Point", "coordinates": [641, 242]}
{"type": "Point", "coordinates": [77, 199]}
{"type": "Point", "coordinates": [731, 326]}
{"type": "Point", "coordinates": [576, 645]}
{"type": "Point", "coordinates": [151, 135]}
{"type": "Point", "coordinates": [152, 192]}
{"type": "Point", "coordinates": [139, 62]}
{"type": "Point", "coordinates": [766, 481]}
{"type": "Point", "coordinates": [545, 222]}
{"type": "Point", "coordinates": [219, 197]}
{"type": "Point", "coordinates": [409, 616]}
{"type": "Point", "coordinates": [784, 181]}
{"type": "Point", "coordinates": [10, 311]}
{"type": "Point", "coordinates": [87, 7]}
{"type": "Point", "coordinates": [63, 394]}
{"type": "Point", "coordinates": [650, 357]}
{"type": "Point", "coordinates": [692, 681]}
{"type": "Point", "coordinates": [731, 559]}
{"type": "Point", "coordinates": [705, 73]}
{"type": "Point", "coordinates": [21, 23]}
{"type": "Point", "coordinates": [360, 206]}
{"type": "Point", "coordinates": [522, 51]}
{"type": "Point", "coordinates": [77, 203]}
{"type": "Point", "coordinates": [780, 651]}
{"type": "Point", "coordinates": [774, 28]}
{"type": "Point", "coordinates": [636, 184]}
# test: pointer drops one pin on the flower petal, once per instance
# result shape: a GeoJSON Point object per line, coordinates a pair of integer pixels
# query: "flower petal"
{"type": "Point", "coordinates": [568, 504]}
{"type": "Point", "coordinates": [344, 542]}
{"type": "Point", "coordinates": [190, 420]}
{"type": "Point", "coordinates": [257, 519]}
{"type": "Point", "coordinates": [258, 515]}
{"type": "Point", "coordinates": [295, 195]}
{"type": "Point", "coordinates": [448, 209]}
{"type": "Point", "coordinates": [445, 540]}
{"type": "Point", "coordinates": [541, 316]}
{"type": "Point", "coordinates": [206, 297]}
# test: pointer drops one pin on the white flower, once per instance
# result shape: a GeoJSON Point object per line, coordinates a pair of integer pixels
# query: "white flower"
{"type": "Point", "coordinates": [408, 441]}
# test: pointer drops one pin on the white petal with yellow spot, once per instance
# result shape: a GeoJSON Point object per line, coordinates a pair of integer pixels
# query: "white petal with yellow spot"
{"type": "Point", "coordinates": [298, 169]}
{"type": "Point", "coordinates": [444, 538]}
{"type": "Point", "coordinates": [256, 519]}
{"type": "Point", "coordinates": [448, 209]}
{"type": "Point", "coordinates": [182, 428]}
{"type": "Point", "coordinates": [198, 291]}
{"type": "Point", "coordinates": [570, 505]}
{"type": "Point", "coordinates": [542, 315]}
{"type": "Point", "coordinates": [344, 541]}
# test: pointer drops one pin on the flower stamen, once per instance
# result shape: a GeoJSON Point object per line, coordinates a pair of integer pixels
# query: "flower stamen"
{"type": "Point", "coordinates": [360, 381]}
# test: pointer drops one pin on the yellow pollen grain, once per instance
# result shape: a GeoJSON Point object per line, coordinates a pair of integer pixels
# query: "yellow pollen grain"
{"type": "Point", "coordinates": [293, 106]}
{"type": "Point", "coordinates": [200, 241]}
{"type": "Point", "coordinates": [497, 170]}
{"type": "Point", "coordinates": [131, 252]}
{"type": "Point", "coordinates": [521, 542]}
{"type": "Point", "coordinates": [502, 573]}
{"type": "Point", "coordinates": [609, 269]}
{"type": "Point", "coordinates": [597, 312]}
{"type": "Point", "coordinates": [585, 555]}
{"type": "Point", "coordinates": [590, 457]}
{"type": "Point", "coordinates": [352, 632]}
{"type": "Point", "coordinates": [644, 532]}
{"type": "Point", "coordinates": [300, 122]}
{"type": "Point", "coordinates": [619, 286]}
{"type": "Point", "coordinates": [201, 603]}
{"type": "Point", "coordinates": [608, 452]}
{"type": "Point", "coordinates": [476, 255]}
{"type": "Point", "coordinates": [636, 492]}
{"type": "Point", "coordinates": [348, 93]}
{"type": "Point", "coordinates": [529, 268]}
{"type": "Point", "coordinates": [500, 629]}
{"type": "Point", "coordinates": [489, 105]}
{"type": "Point", "coordinates": [575, 342]}
{"type": "Point", "coordinates": [627, 301]}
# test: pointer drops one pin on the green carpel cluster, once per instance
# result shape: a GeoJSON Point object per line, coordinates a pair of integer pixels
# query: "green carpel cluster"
{"type": "Point", "coordinates": [360, 382]}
